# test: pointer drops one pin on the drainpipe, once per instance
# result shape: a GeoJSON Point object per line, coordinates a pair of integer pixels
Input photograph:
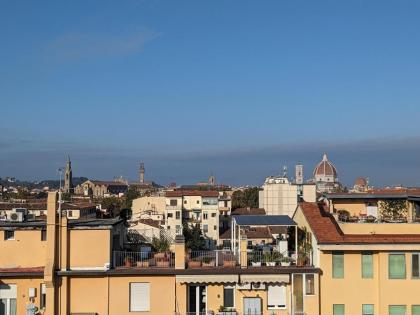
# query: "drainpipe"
{"type": "Point", "coordinates": [51, 257]}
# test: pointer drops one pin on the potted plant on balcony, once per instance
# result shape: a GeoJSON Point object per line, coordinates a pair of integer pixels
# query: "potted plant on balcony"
{"type": "Point", "coordinates": [370, 219]}
{"type": "Point", "coordinates": [394, 211]}
{"type": "Point", "coordinates": [268, 259]}
{"type": "Point", "coordinates": [208, 262]}
{"type": "Point", "coordinates": [343, 215]}
{"type": "Point", "coordinates": [229, 260]}
{"type": "Point", "coordinates": [255, 261]}
{"type": "Point", "coordinates": [196, 263]}
{"type": "Point", "coordinates": [161, 246]}
{"type": "Point", "coordinates": [285, 261]}
{"type": "Point", "coordinates": [128, 261]}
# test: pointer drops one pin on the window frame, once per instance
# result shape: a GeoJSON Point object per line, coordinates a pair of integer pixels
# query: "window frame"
{"type": "Point", "coordinates": [43, 235]}
{"type": "Point", "coordinates": [229, 287]}
{"type": "Point", "coordinates": [333, 273]}
{"type": "Point", "coordinates": [364, 275]}
{"type": "Point", "coordinates": [130, 301]}
{"type": "Point", "coordinates": [7, 237]}
{"type": "Point", "coordinates": [373, 308]}
{"type": "Point", "coordinates": [305, 286]}
{"type": "Point", "coordinates": [414, 306]}
{"type": "Point", "coordinates": [418, 266]}
{"type": "Point", "coordinates": [344, 308]}
{"type": "Point", "coordinates": [389, 266]}
{"type": "Point", "coordinates": [277, 307]}
{"type": "Point", "coordinates": [403, 305]}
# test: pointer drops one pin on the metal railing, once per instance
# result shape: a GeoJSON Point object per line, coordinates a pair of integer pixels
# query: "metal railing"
{"type": "Point", "coordinates": [143, 259]}
{"type": "Point", "coordinates": [269, 259]}
{"type": "Point", "coordinates": [213, 258]}
{"type": "Point", "coordinates": [251, 312]}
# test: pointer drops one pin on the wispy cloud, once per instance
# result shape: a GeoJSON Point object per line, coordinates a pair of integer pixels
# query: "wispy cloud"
{"type": "Point", "coordinates": [85, 45]}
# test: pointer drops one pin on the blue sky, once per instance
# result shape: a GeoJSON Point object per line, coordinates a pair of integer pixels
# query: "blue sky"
{"type": "Point", "coordinates": [237, 88]}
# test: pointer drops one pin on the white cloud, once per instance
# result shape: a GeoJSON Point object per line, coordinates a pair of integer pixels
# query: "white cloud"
{"type": "Point", "coordinates": [78, 45]}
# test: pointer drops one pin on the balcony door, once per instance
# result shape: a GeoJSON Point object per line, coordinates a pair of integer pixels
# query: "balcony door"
{"type": "Point", "coordinates": [8, 294]}
{"type": "Point", "coordinates": [252, 306]}
{"type": "Point", "coordinates": [197, 300]}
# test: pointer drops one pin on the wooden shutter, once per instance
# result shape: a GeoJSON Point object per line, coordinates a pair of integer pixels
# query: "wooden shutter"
{"type": "Point", "coordinates": [276, 296]}
{"type": "Point", "coordinates": [139, 297]}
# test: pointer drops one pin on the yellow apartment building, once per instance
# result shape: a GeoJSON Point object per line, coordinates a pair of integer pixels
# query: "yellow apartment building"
{"type": "Point", "coordinates": [63, 266]}
{"type": "Point", "coordinates": [366, 268]}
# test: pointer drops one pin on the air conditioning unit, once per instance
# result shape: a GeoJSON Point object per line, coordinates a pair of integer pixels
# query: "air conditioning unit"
{"type": "Point", "coordinates": [243, 286]}
{"type": "Point", "coordinates": [258, 286]}
{"type": "Point", "coordinates": [15, 216]}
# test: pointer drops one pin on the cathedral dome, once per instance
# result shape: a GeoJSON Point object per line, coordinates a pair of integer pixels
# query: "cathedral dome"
{"type": "Point", "coordinates": [325, 168]}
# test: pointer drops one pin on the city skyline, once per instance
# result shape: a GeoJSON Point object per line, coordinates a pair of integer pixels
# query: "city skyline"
{"type": "Point", "coordinates": [239, 92]}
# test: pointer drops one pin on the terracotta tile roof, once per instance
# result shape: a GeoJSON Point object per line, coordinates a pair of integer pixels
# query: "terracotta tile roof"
{"type": "Point", "coordinates": [202, 193]}
{"type": "Point", "coordinates": [150, 222]}
{"type": "Point", "coordinates": [248, 211]}
{"type": "Point", "coordinates": [327, 231]}
{"type": "Point", "coordinates": [258, 232]}
{"type": "Point", "coordinates": [251, 233]}
{"type": "Point", "coordinates": [43, 206]}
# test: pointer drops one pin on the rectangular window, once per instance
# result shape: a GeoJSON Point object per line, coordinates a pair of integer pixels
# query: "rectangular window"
{"type": "Point", "coordinates": [177, 215]}
{"type": "Point", "coordinates": [213, 215]}
{"type": "Point", "coordinates": [397, 310]}
{"type": "Point", "coordinates": [228, 297]}
{"type": "Point", "coordinates": [9, 235]}
{"type": "Point", "coordinates": [178, 230]}
{"type": "Point", "coordinates": [276, 297]}
{"type": "Point", "coordinates": [205, 228]}
{"type": "Point", "coordinates": [173, 202]}
{"type": "Point", "coordinates": [205, 215]}
{"type": "Point", "coordinates": [367, 265]}
{"type": "Point", "coordinates": [338, 265]}
{"type": "Point", "coordinates": [415, 263]}
{"type": "Point", "coordinates": [415, 310]}
{"type": "Point", "coordinates": [170, 215]}
{"type": "Point", "coordinates": [309, 284]}
{"type": "Point", "coordinates": [215, 228]}
{"type": "Point", "coordinates": [338, 309]}
{"type": "Point", "coordinates": [185, 202]}
{"type": "Point", "coordinates": [43, 297]}
{"type": "Point", "coordinates": [367, 309]}
{"type": "Point", "coordinates": [43, 235]}
{"type": "Point", "coordinates": [396, 266]}
{"type": "Point", "coordinates": [139, 297]}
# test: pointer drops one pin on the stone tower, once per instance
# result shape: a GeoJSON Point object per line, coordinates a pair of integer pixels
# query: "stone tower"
{"type": "Point", "coordinates": [68, 178]}
{"type": "Point", "coordinates": [141, 173]}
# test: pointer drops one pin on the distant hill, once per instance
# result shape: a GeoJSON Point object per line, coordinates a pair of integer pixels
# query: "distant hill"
{"type": "Point", "coordinates": [51, 183]}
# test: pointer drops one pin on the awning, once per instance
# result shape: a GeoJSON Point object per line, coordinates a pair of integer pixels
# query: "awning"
{"type": "Point", "coordinates": [265, 278]}
{"type": "Point", "coordinates": [207, 279]}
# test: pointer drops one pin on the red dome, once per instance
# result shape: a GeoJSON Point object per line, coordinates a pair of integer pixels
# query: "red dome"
{"type": "Point", "coordinates": [325, 168]}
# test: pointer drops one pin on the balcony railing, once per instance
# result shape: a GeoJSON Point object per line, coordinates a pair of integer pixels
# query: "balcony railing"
{"type": "Point", "coordinates": [269, 259]}
{"type": "Point", "coordinates": [144, 259]}
{"type": "Point", "coordinates": [214, 258]}
{"type": "Point", "coordinates": [235, 313]}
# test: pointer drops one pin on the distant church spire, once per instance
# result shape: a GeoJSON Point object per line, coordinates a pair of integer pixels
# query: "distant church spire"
{"type": "Point", "coordinates": [68, 177]}
{"type": "Point", "coordinates": [141, 173]}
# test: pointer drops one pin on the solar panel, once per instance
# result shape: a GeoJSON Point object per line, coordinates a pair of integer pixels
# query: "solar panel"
{"type": "Point", "coordinates": [264, 220]}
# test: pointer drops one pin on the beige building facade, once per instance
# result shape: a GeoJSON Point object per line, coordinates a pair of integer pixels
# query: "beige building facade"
{"type": "Point", "coordinates": [280, 197]}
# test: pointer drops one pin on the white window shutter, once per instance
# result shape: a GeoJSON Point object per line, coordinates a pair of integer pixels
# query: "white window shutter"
{"type": "Point", "coordinates": [276, 296]}
{"type": "Point", "coordinates": [139, 297]}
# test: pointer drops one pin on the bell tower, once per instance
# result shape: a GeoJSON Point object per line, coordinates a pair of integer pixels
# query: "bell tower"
{"type": "Point", "coordinates": [141, 173]}
{"type": "Point", "coordinates": [68, 177]}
